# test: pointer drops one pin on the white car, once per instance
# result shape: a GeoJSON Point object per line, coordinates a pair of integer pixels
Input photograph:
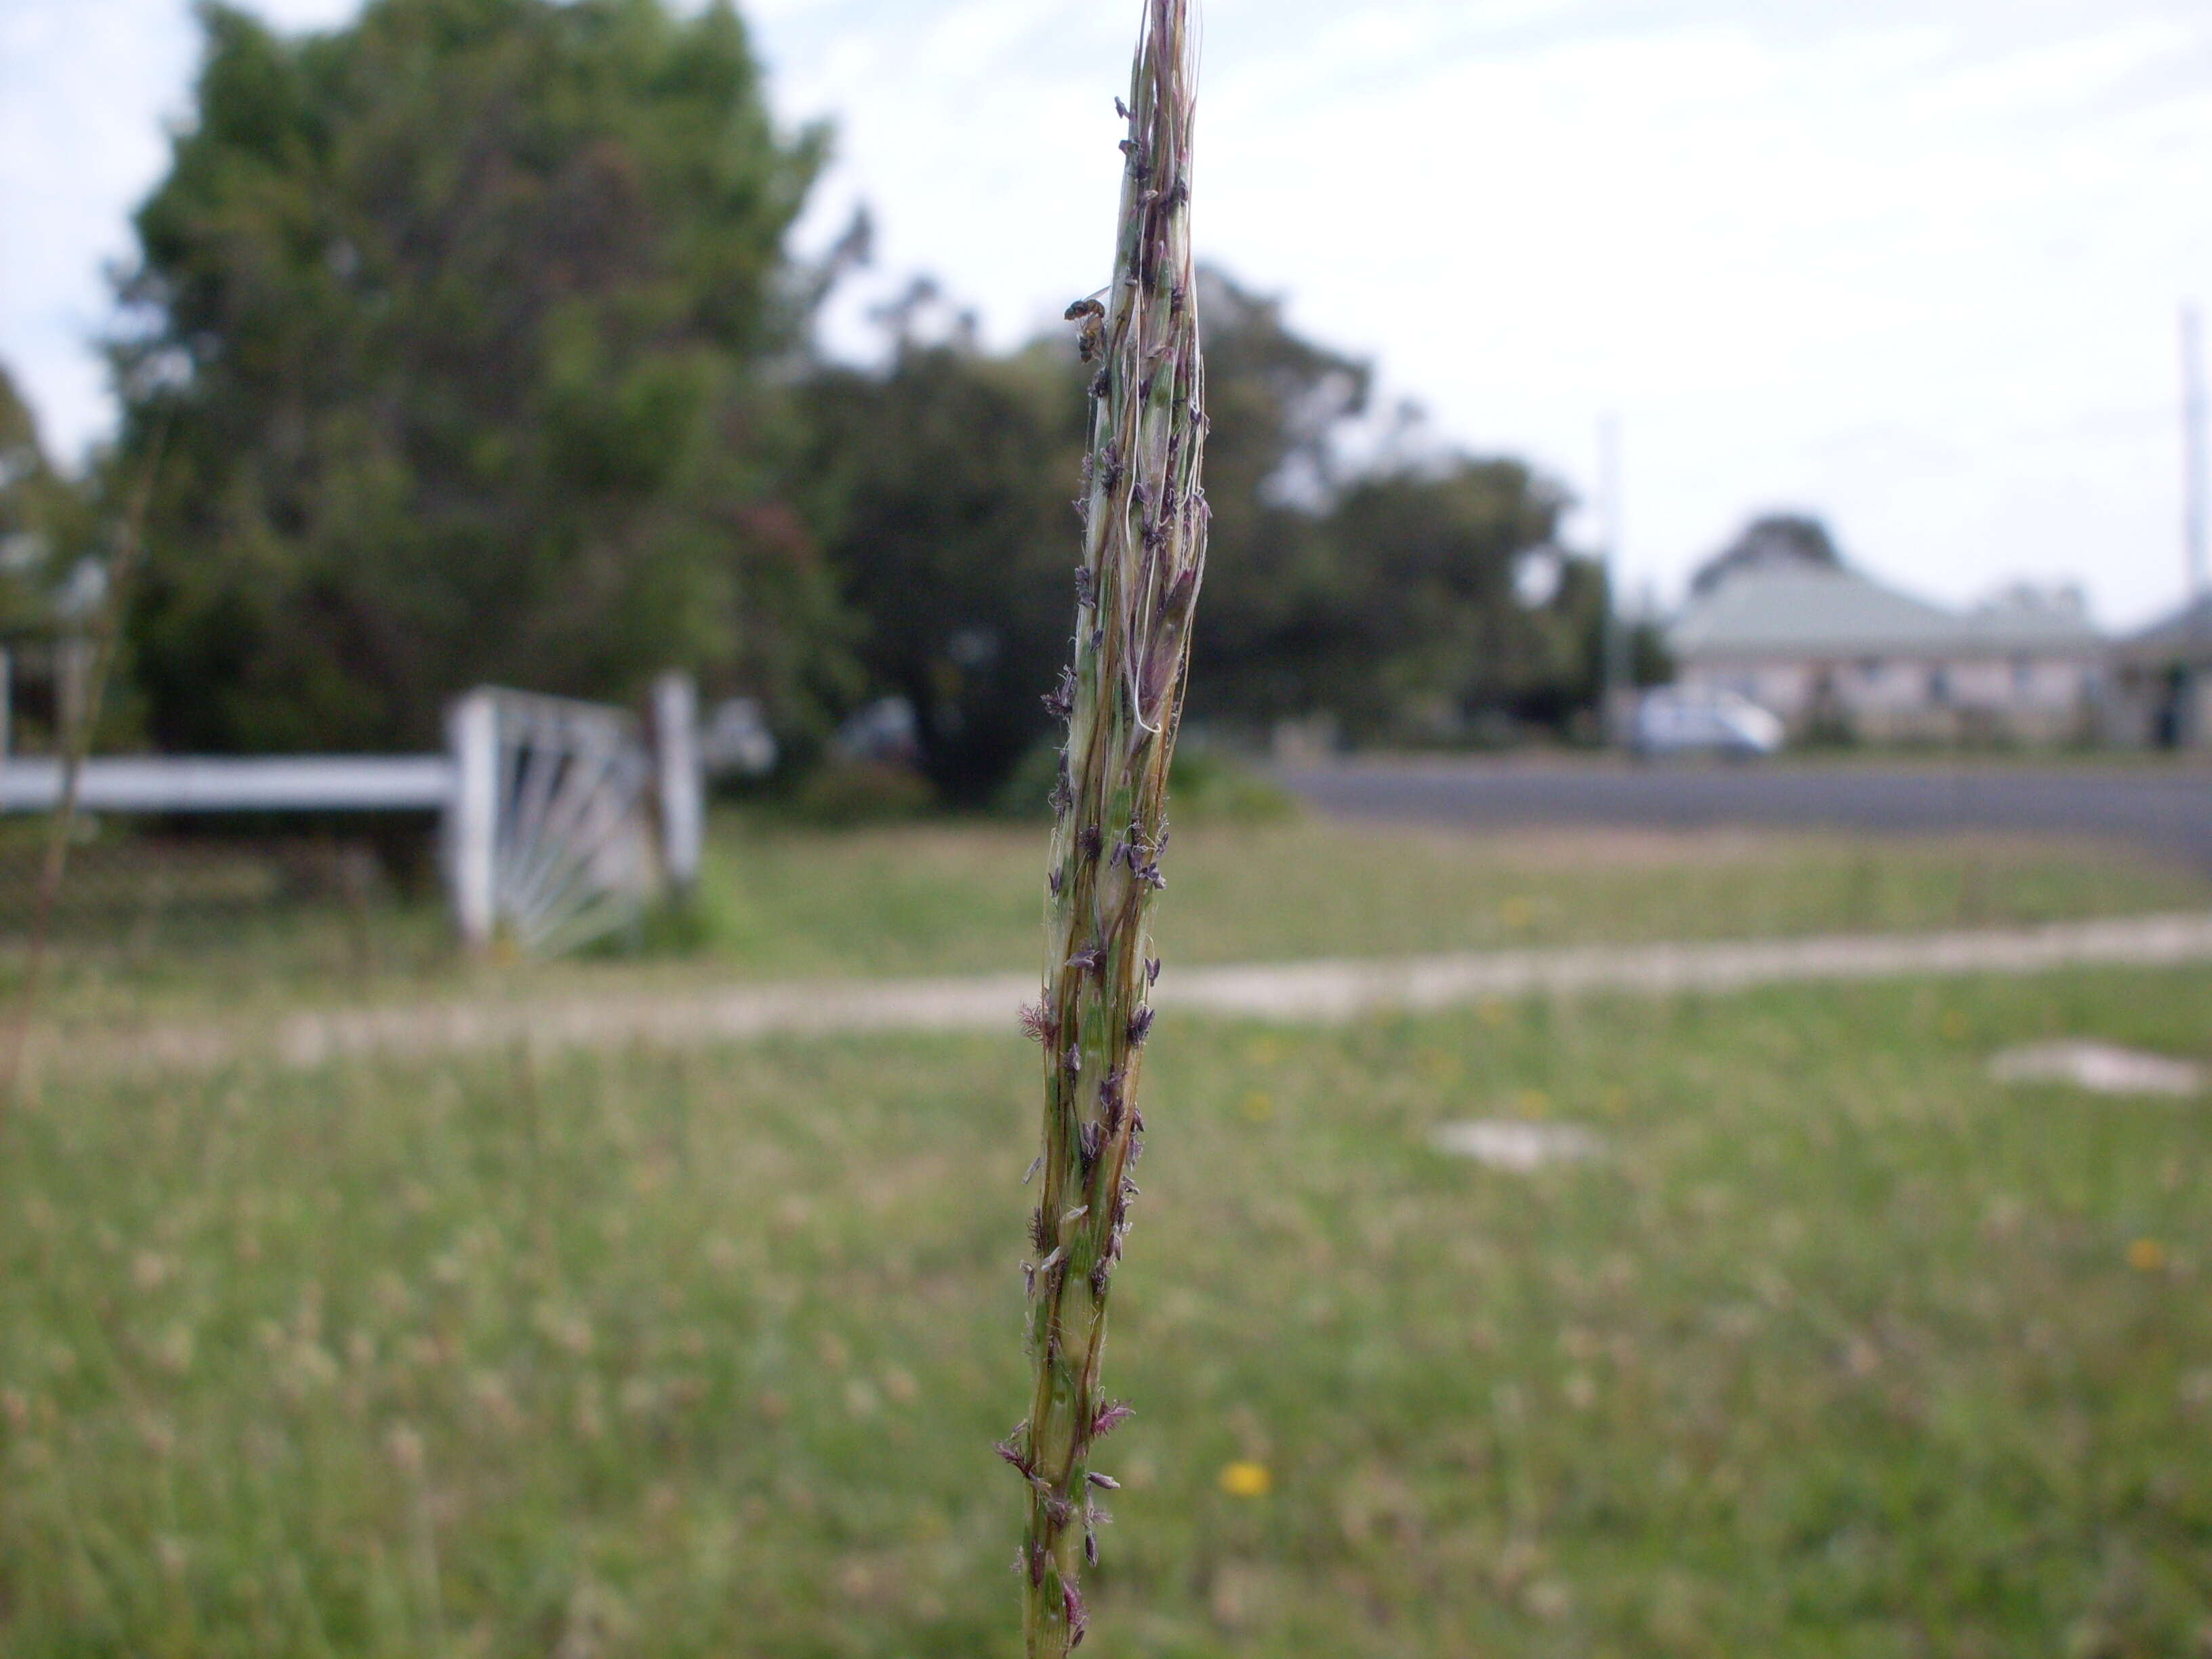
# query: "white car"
{"type": "Point", "coordinates": [1674, 721]}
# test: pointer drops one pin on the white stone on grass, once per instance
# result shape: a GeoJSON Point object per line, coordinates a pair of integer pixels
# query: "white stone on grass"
{"type": "Point", "coordinates": [2101, 1067]}
{"type": "Point", "coordinates": [1512, 1144]}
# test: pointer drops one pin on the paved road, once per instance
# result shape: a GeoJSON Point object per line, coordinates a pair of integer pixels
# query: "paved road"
{"type": "Point", "coordinates": [2167, 812]}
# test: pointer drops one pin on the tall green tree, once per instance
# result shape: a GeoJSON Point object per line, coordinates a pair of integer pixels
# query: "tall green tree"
{"type": "Point", "coordinates": [1384, 594]}
{"type": "Point", "coordinates": [945, 483]}
{"type": "Point", "coordinates": [944, 479]}
{"type": "Point", "coordinates": [1280, 404]}
{"type": "Point", "coordinates": [1381, 594]}
{"type": "Point", "coordinates": [1425, 626]}
{"type": "Point", "coordinates": [463, 318]}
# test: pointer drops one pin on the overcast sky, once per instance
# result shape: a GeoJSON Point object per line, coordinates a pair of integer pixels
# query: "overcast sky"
{"type": "Point", "coordinates": [1916, 267]}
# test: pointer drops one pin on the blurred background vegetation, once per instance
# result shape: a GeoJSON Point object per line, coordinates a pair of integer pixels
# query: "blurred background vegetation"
{"type": "Point", "coordinates": [474, 343]}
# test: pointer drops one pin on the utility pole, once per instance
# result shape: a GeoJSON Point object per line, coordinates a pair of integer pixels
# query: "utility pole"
{"type": "Point", "coordinates": [1614, 670]}
{"type": "Point", "coordinates": [2193, 488]}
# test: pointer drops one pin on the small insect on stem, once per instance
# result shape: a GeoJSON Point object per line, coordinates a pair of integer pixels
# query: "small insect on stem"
{"type": "Point", "coordinates": [1090, 336]}
{"type": "Point", "coordinates": [1060, 701]}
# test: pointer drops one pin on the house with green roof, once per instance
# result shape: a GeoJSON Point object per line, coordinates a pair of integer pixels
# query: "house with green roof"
{"type": "Point", "coordinates": [1834, 652]}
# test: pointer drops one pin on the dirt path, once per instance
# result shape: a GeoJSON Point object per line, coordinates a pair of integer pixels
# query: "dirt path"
{"type": "Point", "coordinates": [1308, 991]}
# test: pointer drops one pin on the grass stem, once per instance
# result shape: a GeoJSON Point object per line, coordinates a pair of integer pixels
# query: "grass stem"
{"type": "Point", "coordinates": [1144, 555]}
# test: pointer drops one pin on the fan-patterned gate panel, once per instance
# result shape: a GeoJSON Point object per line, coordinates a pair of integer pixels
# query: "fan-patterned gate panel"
{"type": "Point", "coordinates": [555, 838]}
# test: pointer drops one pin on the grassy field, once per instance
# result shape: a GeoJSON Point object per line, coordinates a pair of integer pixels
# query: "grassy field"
{"type": "Point", "coordinates": [1840, 1350]}
{"type": "Point", "coordinates": [925, 900]}
{"type": "Point", "coordinates": [961, 897]}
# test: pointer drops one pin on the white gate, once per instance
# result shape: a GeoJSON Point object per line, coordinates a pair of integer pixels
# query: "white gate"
{"type": "Point", "coordinates": [562, 820]}
{"type": "Point", "coordinates": [552, 834]}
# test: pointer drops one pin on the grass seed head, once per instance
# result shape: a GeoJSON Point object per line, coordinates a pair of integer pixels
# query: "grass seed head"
{"type": "Point", "coordinates": [1144, 556]}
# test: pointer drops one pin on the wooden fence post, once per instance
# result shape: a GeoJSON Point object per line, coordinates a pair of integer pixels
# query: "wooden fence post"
{"type": "Point", "coordinates": [682, 791]}
{"type": "Point", "coordinates": [471, 825]}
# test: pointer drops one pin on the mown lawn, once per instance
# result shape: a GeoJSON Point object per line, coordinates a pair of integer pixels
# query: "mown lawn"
{"type": "Point", "coordinates": [1841, 1350]}
{"type": "Point", "coordinates": [968, 897]}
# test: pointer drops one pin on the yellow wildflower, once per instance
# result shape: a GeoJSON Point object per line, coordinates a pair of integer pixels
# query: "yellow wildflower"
{"type": "Point", "coordinates": [1247, 1480]}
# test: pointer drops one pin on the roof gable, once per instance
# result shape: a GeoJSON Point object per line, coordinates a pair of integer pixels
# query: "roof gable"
{"type": "Point", "coordinates": [1790, 610]}
{"type": "Point", "coordinates": [1807, 611]}
{"type": "Point", "coordinates": [2187, 635]}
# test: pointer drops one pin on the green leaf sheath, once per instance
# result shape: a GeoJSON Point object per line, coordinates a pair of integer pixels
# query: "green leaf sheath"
{"type": "Point", "coordinates": [1144, 555]}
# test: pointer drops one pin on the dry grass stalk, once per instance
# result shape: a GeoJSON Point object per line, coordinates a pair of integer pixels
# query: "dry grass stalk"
{"type": "Point", "coordinates": [76, 748]}
{"type": "Point", "coordinates": [1144, 517]}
